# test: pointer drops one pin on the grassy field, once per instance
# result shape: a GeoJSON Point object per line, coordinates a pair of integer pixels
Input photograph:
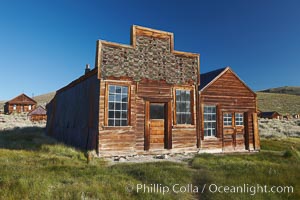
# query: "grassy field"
{"type": "Point", "coordinates": [282, 103]}
{"type": "Point", "coordinates": [34, 166]}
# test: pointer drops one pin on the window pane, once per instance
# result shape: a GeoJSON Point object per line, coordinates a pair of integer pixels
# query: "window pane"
{"type": "Point", "coordinates": [118, 97]}
{"type": "Point", "coordinates": [183, 107]}
{"type": "Point", "coordinates": [124, 115]}
{"type": "Point", "coordinates": [209, 120]}
{"type": "Point", "coordinates": [124, 122]}
{"type": "Point", "coordinates": [118, 89]}
{"type": "Point", "coordinates": [124, 90]}
{"type": "Point", "coordinates": [112, 89]}
{"type": "Point", "coordinates": [117, 122]}
{"type": "Point", "coordinates": [117, 114]}
{"type": "Point", "coordinates": [111, 106]}
{"type": "Point", "coordinates": [124, 98]}
{"type": "Point", "coordinates": [111, 114]}
{"type": "Point", "coordinates": [157, 111]}
{"type": "Point", "coordinates": [110, 122]}
{"type": "Point", "coordinates": [117, 106]}
{"type": "Point", "coordinates": [124, 106]}
{"type": "Point", "coordinates": [111, 98]}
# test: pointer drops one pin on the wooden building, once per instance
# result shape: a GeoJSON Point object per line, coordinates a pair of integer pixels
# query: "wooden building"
{"type": "Point", "coordinates": [270, 115]}
{"type": "Point", "coordinates": [140, 98]}
{"type": "Point", "coordinates": [38, 114]}
{"type": "Point", "coordinates": [228, 119]}
{"type": "Point", "coordinates": [19, 104]}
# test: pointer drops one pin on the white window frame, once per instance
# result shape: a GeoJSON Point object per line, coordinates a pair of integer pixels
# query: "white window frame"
{"type": "Point", "coordinates": [29, 107]}
{"type": "Point", "coordinates": [189, 102]}
{"type": "Point", "coordinates": [14, 107]}
{"type": "Point", "coordinates": [115, 99]}
{"type": "Point", "coordinates": [210, 120]}
{"type": "Point", "coordinates": [227, 118]}
{"type": "Point", "coordinates": [239, 119]}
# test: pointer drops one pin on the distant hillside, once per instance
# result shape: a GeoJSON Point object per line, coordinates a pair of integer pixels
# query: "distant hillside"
{"type": "Point", "coordinates": [44, 98]}
{"type": "Point", "coordinates": [282, 103]}
{"type": "Point", "coordinates": [40, 99]}
{"type": "Point", "coordinates": [284, 90]}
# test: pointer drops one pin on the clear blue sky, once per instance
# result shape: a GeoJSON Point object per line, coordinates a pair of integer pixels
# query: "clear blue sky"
{"type": "Point", "coordinates": [44, 45]}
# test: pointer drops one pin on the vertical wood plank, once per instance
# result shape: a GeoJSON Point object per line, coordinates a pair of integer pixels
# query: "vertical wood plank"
{"type": "Point", "coordinates": [147, 134]}
{"type": "Point", "coordinates": [256, 136]}
{"type": "Point", "coordinates": [169, 125]}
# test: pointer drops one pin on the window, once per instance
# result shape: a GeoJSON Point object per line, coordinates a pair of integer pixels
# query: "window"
{"type": "Point", "coordinates": [117, 105]}
{"type": "Point", "coordinates": [157, 111]}
{"type": "Point", "coordinates": [210, 120]}
{"type": "Point", "coordinates": [227, 119]}
{"type": "Point", "coordinates": [29, 107]}
{"type": "Point", "coordinates": [15, 107]}
{"type": "Point", "coordinates": [183, 107]}
{"type": "Point", "coordinates": [239, 119]}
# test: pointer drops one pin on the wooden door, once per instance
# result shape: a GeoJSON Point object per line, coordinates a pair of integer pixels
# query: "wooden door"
{"type": "Point", "coordinates": [233, 131]}
{"type": "Point", "coordinates": [157, 125]}
{"type": "Point", "coordinates": [239, 127]}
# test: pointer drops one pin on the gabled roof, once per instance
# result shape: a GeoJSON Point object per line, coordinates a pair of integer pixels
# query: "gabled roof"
{"type": "Point", "coordinates": [22, 99]}
{"type": "Point", "coordinates": [209, 78]}
{"type": "Point", "coordinates": [38, 111]}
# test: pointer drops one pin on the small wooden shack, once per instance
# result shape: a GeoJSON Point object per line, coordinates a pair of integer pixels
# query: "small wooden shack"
{"type": "Point", "coordinates": [270, 115]}
{"type": "Point", "coordinates": [19, 104]}
{"type": "Point", "coordinates": [143, 98]}
{"type": "Point", "coordinates": [228, 119]}
{"type": "Point", "coordinates": [38, 114]}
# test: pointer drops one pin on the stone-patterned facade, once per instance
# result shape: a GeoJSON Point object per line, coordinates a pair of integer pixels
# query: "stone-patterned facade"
{"type": "Point", "coordinates": [152, 58]}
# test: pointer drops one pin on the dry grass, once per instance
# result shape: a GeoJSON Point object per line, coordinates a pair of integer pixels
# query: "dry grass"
{"type": "Point", "coordinates": [273, 128]}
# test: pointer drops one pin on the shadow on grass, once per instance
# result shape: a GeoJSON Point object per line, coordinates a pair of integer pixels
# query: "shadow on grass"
{"type": "Point", "coordinates": [28, 138]}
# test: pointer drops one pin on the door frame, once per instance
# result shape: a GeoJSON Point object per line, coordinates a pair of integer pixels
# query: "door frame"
{"type": "Point", "coordinates": [234, 127]}
{"type": "Point", "coordinates": [168, 122]}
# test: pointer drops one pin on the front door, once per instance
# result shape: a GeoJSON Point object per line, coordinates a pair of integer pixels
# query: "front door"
{"type": "Point", "coordinates": [158, 125]}
{"type": "Point", "coordinates": [233, 131]}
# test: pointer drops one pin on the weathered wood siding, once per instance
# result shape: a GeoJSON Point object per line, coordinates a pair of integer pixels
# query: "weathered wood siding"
{"type": "Point", "coordinates": [37, 118]}
{"type": "Point", "coordinates": [229, 94]}
{"type": "Point", "coordinates": [73, 113]}
{"type": "Point", "coordinates": [131, 139]}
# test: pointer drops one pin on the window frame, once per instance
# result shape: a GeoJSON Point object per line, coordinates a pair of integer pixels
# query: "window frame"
{"type": "Point", "coordinates": [223, 117]}
{"type": "Point", "coordinates": [241, 117]}
{"type": "Point", "coordinates": [210, 121]}
{"type": "Point", "coordinates": [106, 109]}
{"type": "Point", "coordinates": [192, 103]}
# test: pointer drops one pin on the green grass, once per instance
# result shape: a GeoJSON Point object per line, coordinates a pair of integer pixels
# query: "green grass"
{"type": "Point", "coordinates": [282, 103]}
{"type": "Point", "coordinates": [34, 166]}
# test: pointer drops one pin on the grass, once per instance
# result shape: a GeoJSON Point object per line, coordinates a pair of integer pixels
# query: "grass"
{"type": "Point", "coordinates": [282, 103]}
{"type": "Point", "coordinates": [34, 166]}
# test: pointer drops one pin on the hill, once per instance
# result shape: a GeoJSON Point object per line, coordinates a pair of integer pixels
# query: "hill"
{"type": "Point", "coordinates": [282, 103]}
{"type": "Point", "coordinates": [44, 98]}
{"type": "Point", "coordinates": [284, 90]}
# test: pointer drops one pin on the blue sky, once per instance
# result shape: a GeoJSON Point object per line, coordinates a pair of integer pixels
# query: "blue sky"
{"type": "Point", "coordinates": [44, 45]}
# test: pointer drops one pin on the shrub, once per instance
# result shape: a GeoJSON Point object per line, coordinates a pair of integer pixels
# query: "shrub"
{"type": "Point", "coordinates": [287, 154]}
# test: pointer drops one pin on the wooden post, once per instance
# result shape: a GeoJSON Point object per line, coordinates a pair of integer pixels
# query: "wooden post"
{"type": "Point", "coordinates": [147, 134]}
{"type": "Point", "coordinates": [256, 136]}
